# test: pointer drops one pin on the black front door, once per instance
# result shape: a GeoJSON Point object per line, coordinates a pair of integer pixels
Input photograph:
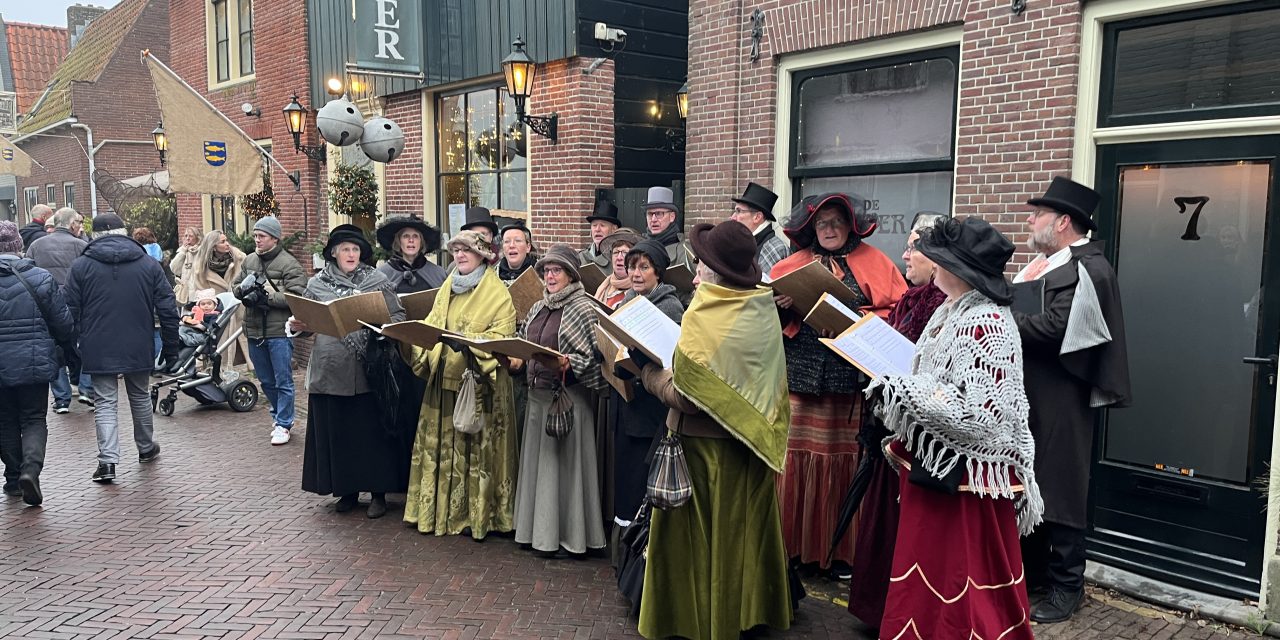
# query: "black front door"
{"type": "Point", "coordinates": [1175, 483]}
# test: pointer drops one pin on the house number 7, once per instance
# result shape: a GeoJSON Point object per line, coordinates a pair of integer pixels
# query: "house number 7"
{"type": "Point", "coordinates": [1199, 202]}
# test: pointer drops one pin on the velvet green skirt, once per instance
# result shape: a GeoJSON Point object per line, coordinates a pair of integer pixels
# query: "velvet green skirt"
{"type": "Point", "coordinates": [717, 566]}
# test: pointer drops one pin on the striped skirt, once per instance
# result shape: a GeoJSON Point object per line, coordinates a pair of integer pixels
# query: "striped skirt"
{"type": "Point", "coordinates": [822, 457]}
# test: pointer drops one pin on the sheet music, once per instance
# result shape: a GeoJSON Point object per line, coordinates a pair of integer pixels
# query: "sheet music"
{"type": "Point", "coordinates": [649, 326]}
{"type": "Point", "coordinates": [875, 347]}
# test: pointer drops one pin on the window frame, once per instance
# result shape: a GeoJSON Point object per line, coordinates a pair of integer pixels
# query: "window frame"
{"type": "Point", "coordinates": [241, 32]}
{"type": "Point", "coordinates": [797, 174]}
{"type": "Point", "coordinates": [234, 26]}
{"type": "Point", "coordinates": [1107, 80]}
{"type": "Point", "coordinates": [442, 209]}
{"type": "Point", "coordinates": [32, 197]}
{"type": "Point", "coordinates": [69, 194]}
{"type": "Point", "coordinates": [51, 195]}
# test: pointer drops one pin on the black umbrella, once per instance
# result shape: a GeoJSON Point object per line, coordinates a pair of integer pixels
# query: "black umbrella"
{"type": "Point", "coordinates": [869, 439]}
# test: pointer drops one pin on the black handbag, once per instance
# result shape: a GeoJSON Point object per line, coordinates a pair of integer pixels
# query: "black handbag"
{"type": "Point", "coordinates": [948, 484]}
{"type": "Point", "coordinates": [632, 557]}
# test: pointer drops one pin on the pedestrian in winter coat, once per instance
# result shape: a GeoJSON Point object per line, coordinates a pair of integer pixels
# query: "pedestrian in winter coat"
{"type": "Point", "coordinates": [217, 265]}
{"type": "Point", "coordinates": [55, 253]}
{"type": "Point", "coordinates": [275, 273]}
{"type": "Point", "coordinates": [180, 265]}
{"type": "Point", "coordinates": [36, 229]}
{"type": "Point", "coordinates": [409, 240]}
{"type": "Point", "coordinates": [116, 292]}
{"type": "Point", "coordinates": [33, 321]}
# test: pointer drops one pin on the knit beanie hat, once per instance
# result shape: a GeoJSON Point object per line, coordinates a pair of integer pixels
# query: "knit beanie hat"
{"type": "Point", "coordinates": [10, 241]}
{"type": "Point", "coordinates": [205, 294]}
{"type": "Point", "coordinates": [269, 225]}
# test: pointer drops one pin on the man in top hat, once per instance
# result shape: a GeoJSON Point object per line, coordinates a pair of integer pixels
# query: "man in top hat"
{"type": "Point", "coordinates": [660, 210]}
{"type": "Point", "coordinates": [481, 221]}
{"type": "Point", "coordinates": [754, 210]}
{"type": "Point", "coordinates": [603, 221]}
{"type": "Point", "coordinates": [1075, 364]}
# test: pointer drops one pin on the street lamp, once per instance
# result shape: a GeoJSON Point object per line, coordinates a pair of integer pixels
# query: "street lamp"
{"type": "Point", "coordinates": [333, 87]}
{"type": "Point", "coordinates": [676, 138]}
{"type": "Point", "coordinates": [295, 120]}
{"type": "Point", "coordinates": [520, 70]}
{"type": "Point", "coordinates": [160, 140]}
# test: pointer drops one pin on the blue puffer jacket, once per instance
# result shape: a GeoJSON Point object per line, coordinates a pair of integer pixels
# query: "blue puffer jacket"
{"type": "Point", "coordinates": [27, 338]}
{"type": "Point", "coordinates": [116, 292]}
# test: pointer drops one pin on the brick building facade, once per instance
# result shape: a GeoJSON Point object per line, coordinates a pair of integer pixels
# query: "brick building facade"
{"type": "Point", "coordinates": [264, 74]}
{"type": "Point", "coordinates": [970, 107]}
{"type": "Point", "coordinates": [98, 101]}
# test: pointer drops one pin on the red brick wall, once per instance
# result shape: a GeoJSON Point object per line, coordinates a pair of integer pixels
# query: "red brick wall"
{"type": "Point", "coordinates": [281, 69]}
{"type": "Point", "coordinates": [113, 114]}
{"type": "Point", "coordinates": [564, 176]}
{"type": "Point", "coordinates": [404, 174]}
{"type": "Point", "coordinates": [1016, 104]}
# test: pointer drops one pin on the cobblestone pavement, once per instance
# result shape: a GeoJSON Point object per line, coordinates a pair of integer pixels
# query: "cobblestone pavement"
{"type": "Point", "coordinates": [216, 540]}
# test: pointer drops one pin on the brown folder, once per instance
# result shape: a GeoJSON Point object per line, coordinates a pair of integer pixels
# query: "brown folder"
{"type": "Point", "coordinates": [614, 353]}
{"type": "Point", "coordinates": [807, 284]}
{"type": "Point", "coordinates": [417, 306]}
{"type": "Point", "coordinates": [339, 317]}
{"type": "Point", "coordinates": [414, 332]}
{"type": "Point", "coordinates": [525, 292]}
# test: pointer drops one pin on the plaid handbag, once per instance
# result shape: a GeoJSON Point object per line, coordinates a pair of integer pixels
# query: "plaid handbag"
{"type": "Point", "coordinates": [560, 412]}
{"type": "Point", "coordinates": [669, 483]}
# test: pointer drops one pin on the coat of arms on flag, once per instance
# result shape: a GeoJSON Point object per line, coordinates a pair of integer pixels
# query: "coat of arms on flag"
{"type": "Point", "coordinates": [215, 153]}
{"type": "Point", "coordinates": [7, 154]}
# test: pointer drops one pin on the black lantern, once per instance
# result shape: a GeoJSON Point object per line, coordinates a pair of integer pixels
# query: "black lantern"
{"type": "Point", "coordinates": [520, 70]}
{"type": "Point", "coordinates": [676, 137]}
{"type": "Point", "coordinates": [295, 120]}
{"type": "Point", "coordinates": [160, 140]}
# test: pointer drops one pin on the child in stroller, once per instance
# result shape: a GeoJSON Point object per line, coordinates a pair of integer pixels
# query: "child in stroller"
{"type": "Point", "coordinates": [198, 325]}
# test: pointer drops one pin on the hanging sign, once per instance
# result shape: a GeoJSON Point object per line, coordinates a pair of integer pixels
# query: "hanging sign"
{"type": "Point", "coordinates": [389, 35]}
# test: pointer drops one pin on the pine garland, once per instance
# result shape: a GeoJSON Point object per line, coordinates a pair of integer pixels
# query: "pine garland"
{"type": "Point", "coordinates": [353, 192]}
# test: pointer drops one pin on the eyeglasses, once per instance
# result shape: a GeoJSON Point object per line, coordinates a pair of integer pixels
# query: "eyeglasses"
{"type": "Point", "coordinates": [552, 271]}
{"type": "Point", "coordinates": [742, 211]}
{"type": "Point", "coordinates": [911, 248]}
{"type": "Point", "coordinates": [621, 252]}
{"type": "Point", "coordinates": [837, 223]}
{"type": "Point", "coordinates": [658, 213]}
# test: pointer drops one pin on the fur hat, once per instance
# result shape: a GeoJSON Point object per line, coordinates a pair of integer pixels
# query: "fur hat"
{"type": "Point", "coordinates": [563, 255]}
{"type": "Point", "coordinates": [10, 241]}
{"type": "Point", "coordinates": [472, 241]}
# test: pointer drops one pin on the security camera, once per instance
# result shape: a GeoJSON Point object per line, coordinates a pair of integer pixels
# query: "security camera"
{"type": "Point", "coordinates": [249, 109]}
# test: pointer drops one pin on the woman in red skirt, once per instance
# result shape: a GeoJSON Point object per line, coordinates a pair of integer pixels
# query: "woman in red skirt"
{"type": "Point", "coordinates": [964, 453]}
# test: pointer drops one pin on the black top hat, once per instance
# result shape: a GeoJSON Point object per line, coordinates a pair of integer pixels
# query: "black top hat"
{"type": "Point", "coordinates": [973, 251]}
{"type": "Point", "coordinates": [759, 198]}
{"type": "Point", "coordinates": [392, 226]}
{"type": "Point", "coordinates": [348, 233]}
{"type": "Point", "coordinates": [480, 217]}
{"type": "Point", "coordinates": [799, 226]}
{"type": "Point", "coordinates": [1072, 198]}
{"type": "Point", "coordinates": [729, 249]}
{"type": "Point", "coordinates": [606, 212]}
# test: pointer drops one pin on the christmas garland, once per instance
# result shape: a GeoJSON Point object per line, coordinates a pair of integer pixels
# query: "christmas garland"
{"type": "Point", "coordinates": [263, 203]}
{"type": "Point", "coordinates": [353, 192]}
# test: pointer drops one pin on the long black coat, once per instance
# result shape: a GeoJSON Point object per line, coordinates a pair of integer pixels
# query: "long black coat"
{"type": "Point", "coordinates": [1060, 387]}
{"type": "Point", "coordinates": [115, 296]}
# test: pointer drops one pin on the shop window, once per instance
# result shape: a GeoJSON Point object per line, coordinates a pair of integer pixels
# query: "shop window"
{"type": "Point", "coordinates": [883, 129]}
{"type": "Point", "coordinates": [1217, 63]}
{"type": "Point", "coordinates": [482, 155]}
{"type": "Point", "coordinates": [69, 194]}
{"type": "Point", "coordinates": [230, 36]}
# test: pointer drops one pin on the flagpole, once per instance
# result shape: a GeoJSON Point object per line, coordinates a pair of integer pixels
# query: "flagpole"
{"type": "Point", "coordinates": [293, 177]}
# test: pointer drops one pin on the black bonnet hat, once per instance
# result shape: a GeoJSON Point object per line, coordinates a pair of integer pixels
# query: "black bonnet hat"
{"type": "Point", "coordinates": [800, 226]}
{"type": "Point", "coordinates": [392, 226]}
{"type": "Point", "coordinates": [973, 251]}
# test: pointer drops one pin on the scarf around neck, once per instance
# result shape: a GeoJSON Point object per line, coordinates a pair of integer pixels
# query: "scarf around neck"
{"type": "Point", "coordinates": [560, 298]}
{"type": "Point", "coordinates": [219, 262]}
{"type": "Point", "coordinates": [507, 274]}
{"type": "Point", "coordinates": [331, 283]}
{"type": "Point", "coordinates": [611, 287]}
{"type": "Point", "coordinates": [669, 236]}
{"type": "Point", "coordinates": [833, 260]}
{"type": "Point", "coordinates": [463, 284]}
{"type": "Point", "coordinates": [400, 264]}
{"type": "Point", "coordinates": [915, 308]}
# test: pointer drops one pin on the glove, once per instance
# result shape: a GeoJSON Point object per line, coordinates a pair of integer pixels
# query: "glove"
{"type": "Point", "coordinates": [638, 357]}
{"type": "Point", "coordinates": [622, 373]}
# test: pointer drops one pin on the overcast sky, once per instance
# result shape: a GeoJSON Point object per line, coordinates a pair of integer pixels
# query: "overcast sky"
{"type": "Point", "coordinates": [52, 12]}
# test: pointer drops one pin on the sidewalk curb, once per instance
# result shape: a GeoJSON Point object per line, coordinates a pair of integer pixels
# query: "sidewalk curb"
{"type": "Point", "coordinates": [1178, 598]}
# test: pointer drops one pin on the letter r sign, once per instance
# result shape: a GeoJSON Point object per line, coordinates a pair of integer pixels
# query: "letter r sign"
{"type": "Point", "coordinates": [389, 35]}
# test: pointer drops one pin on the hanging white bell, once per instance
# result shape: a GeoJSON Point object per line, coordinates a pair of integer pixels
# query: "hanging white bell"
{"type": "Point", "coordinates": [340, 122]}
{"type": "Point", "coordinates": [382, 140]}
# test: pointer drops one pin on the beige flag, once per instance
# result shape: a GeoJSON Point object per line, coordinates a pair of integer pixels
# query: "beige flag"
{"type": "Point", "coordinates": [14, 161]}
{"type": "Point", "coordinates": [207, 153]}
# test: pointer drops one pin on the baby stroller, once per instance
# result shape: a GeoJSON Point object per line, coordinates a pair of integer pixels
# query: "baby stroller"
{"type": "Point", "coordinates": [212, 386]}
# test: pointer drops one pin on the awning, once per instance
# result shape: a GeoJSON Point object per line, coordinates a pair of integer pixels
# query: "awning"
{"type": "Point", "coordinates": [159, 179]}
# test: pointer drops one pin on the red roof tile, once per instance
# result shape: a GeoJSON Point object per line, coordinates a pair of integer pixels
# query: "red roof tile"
{"type": "Point", "coordinates": [35, 50]}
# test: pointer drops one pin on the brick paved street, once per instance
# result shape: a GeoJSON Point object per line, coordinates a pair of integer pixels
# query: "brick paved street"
{"type": "Point", "coordinates": [216, 540]}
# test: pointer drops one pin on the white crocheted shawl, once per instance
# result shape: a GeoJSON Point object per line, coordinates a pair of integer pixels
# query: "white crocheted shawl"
{"type": "Point", "coordinates": [966, 394]}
